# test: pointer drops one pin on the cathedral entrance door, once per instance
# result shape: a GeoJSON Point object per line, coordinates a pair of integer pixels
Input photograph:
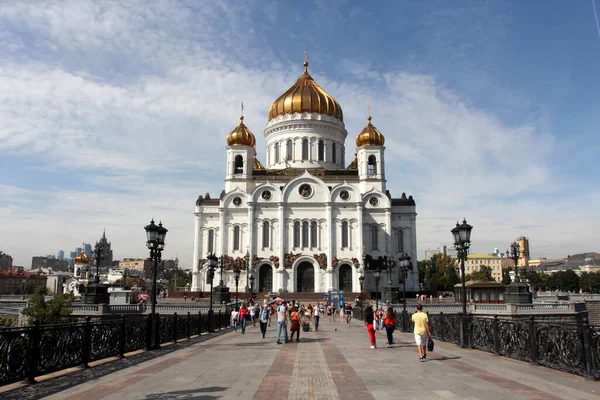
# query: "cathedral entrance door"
{"type": "Point", "coordinates": [305, 277]}
{"type": "Point", "coordinates": [345, 278]}
{"type": "Point", "coordinates": [265, 278]}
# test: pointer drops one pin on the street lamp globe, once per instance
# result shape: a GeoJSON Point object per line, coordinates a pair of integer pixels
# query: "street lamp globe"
{"type": "Point", "coordinates": [162, 233]}
{"type": "Point", "coordinates": [151, 234]}
{"type": "Point", "coordinates": [236, 273]}
{"type": "Point", "coordinates": [377, 273]}
{"type": "Point", "coordinates": [464, 231]}
{"type": "Point", "coordinates": [361, 279]}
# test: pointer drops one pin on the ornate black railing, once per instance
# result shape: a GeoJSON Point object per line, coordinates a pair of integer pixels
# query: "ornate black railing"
{"type": "Point", "coordinates": [28, 352]}
{"type": "Point", "coordinates": [570, 347]}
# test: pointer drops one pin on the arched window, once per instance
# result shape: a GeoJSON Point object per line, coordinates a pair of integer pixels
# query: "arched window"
{"type": "Point", "coordinates": [313, 234]}
{"type": "Point", "coordinates": [304, 149]}
{"type": "Point", "coordinates": [211, 241]}
{"type": "Point", "coordinates": [290, 150]}
{"type": "Point", "coordinates": [345, 234]}
{"type": "Point", "coordinates": [296, 234]}
{"type": "Point", "coordinates": [321, 150]}
{"type": "Point", "coordinates": [238, 165]}
{"type": "Point", "coordinates": [333, 155]}
{"type": "Point", "coordinates": [265, 237]}
{"type": "Point", "coordinates": [374, 238]}
{"type": "Point", "coordinates": [400, 241]}
{"type": "Point", "coordinates": [372, 166]}
{"type": "Point", "coordinates": [236, 238]}
{"type": "Point", "coordinates": [305, 234]}
{"type": "Point", "coordinates": [276, 152]}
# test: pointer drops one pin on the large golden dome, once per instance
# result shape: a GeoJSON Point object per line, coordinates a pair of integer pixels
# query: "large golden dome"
{"type": "Point", "coordinates": [241, 135]}
{"type": "Point", "coordinates": [370, 136]}
{"type": "Point", "coordinates": [82, 258]}
{"type": "Point", "coordinates": [306, 96]}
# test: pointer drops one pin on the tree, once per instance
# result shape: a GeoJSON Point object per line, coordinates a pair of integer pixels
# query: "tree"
{"type": "Point", "coordinates": [567, 281]}
{"type": "Point", "coordinates": [54, 311]}
{"type": "Point", "coordinates": [590, 282]}
{"type": "Point", "coordinates": [446, 275]}
{"type": "Point", "coordinates": [483, 274]}
{"type": "Point", "coordinates": [177, 278]}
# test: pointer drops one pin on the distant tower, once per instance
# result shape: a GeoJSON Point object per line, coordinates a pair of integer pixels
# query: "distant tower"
{"type": "Point", "coordinates": [523, 243]}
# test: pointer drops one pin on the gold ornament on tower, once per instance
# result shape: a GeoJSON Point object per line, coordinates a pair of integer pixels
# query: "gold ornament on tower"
{"type": "Point", "coordinates": [370, 136]}
{"type": "Point", "coordinates": [241, 135]}
{"type": "Point", "coordinates": [82, 258]}
{"type": "Point", "coordinates": [306, 96]}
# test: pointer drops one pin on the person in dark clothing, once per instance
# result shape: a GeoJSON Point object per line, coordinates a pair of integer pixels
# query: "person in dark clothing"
{"type": "Point", "coordinates": [369, 318]}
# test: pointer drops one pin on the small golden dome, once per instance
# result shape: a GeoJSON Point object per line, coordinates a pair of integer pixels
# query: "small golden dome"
{"type": "Point", "coordinates": [257, 165]}
{"type": "Point", "coordinates": [370, 136]}
{"type": "Point", "coordinates": [241, 135]}
{"type": "Point", "coordinates": [82, 258]}
{"type": "Point", "coordinates": [306, 96]}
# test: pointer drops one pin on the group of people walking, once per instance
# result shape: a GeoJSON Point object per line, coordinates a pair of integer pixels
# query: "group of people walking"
{"type": "Point", "coordinates": [375, 320]}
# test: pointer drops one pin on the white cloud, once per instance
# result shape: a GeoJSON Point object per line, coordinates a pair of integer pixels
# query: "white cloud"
{"type": "Point", "coordinates": [143, 128]}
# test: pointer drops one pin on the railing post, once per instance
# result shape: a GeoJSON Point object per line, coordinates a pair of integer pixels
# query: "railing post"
{"type": "Point", "coordinates": [87, 342]}
{"type": "Point", "coordinates": [174, 327]}
{"type": "Point", "coordinates": [199, 323]}
{"type": "Point", "coordinates": [532, 341]}
{"type": "Point", "coordinates": [149, 332]}
{"type": "Point", "coordinates": [220, 320]}
{"type": "Point", "coordinates": [441, 333]}
{"type": "Point", "coordinates": [587, 348]}
{"type": "Point", "coordinates": [188, 325]}
{"type": "Point", "coordinates": [122, 337]}
{"type": "Point", "coordinates": [496, 333]}
{"type": "Point", "coordinates": [34, 351]}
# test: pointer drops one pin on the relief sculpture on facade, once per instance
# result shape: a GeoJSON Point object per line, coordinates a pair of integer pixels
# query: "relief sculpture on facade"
{"type": "Point", "coordinates": [231, 263]}
{"type": "Point", "coordinates": [201, 263]}
{"type": "Point", "coordinates": [275, 261]}
{"type": "Point", "coordinates": [255, 261]}
{"type": "Point", "coordinates": [290, 258]}
{"type": "Point", "coordinates": [355, 262]}
{"type": "Point", "coordinates": [322, 260]}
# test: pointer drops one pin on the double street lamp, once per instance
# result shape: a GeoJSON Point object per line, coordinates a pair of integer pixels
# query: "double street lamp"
{"type": "Point", "coordinates": [247, 259]}
{"type": "Point", "coordinates": [155, 240]}
{"type": "Point", "coordinates": [251, 283]}
{"type": "Point", "coordinates": [236, 276]}
{"type": "Point", "coordinates": [514, 255]}
{"type": "Point", "coordinates": [212, 261]}
{"type": "Point", "coordinates": [377, 275]}
{"type": "Point", "coordinates": [462, 242]}
{"type": "Point", "coordinates": [405, 265]}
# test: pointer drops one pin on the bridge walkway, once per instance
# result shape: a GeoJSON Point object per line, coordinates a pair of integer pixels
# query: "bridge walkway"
{"type": "Point", "coordinates": [334, 363]}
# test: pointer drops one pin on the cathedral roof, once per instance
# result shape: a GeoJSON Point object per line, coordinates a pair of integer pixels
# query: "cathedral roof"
{"type": "Point", "coordinates": [306, 96]}
{"type": "Point", "coordinates": [257, 164]}
{"type": "Point", "coordinates": [354, 163]}
{"type": "Point", "coordinates": [82, 258]}
{"type": "Point", "coordinates": [370, 136]}
{"type": "Point", "coordinates": [241, 135]}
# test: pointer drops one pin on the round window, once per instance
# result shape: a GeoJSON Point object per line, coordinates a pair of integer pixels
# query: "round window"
{"type": "Point", "coordinates": [305, 190]}
{"type": "Point", "coordinates": [237, 201]}
{"type": "Point", "coordinates": [266, 195]}
{"type": "Point", "coordinates": [344, 195]}
{"type": "Point", "coordinates": [374, 201]}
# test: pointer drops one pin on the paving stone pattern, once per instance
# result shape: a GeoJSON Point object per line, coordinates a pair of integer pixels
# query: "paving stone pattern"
{"type": "Point", "coordinates": [334, 363]}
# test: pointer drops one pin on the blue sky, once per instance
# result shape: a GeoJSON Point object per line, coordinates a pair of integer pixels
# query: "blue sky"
{"type": "Point", "coordinates": [115, 112]}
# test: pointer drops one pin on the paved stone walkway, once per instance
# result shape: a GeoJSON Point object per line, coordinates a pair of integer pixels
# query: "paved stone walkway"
{"type": "Point", "coordinates": [334, 363]}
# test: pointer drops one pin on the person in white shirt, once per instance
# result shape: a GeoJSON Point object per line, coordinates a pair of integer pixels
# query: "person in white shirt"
{"type": "Point", "coordinates": [234, 319]}
{"type": "Point", "coordinates": [282, 322]}
{"type": "Point", "coordinates": [253, 315]}
{"type": "Point", "coordinates": [317, 315]}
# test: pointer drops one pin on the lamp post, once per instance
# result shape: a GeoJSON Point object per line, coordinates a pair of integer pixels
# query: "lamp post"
{"type": "Point", "coordinates": [514, 255]}
{"type": "Point", "coordinates": [361, 281]}
{"type": "Point", "coordinates": [462, 242]}
{"type": "Point", "coordinates": [221, 266]}
{"type": "Point", "coordinates": [517, 291]}
{"type": "Point", "coordinates": [236, 276]}
{"type": "Point", "coordinates": [377, 275]}
{"type": "Point", "coordinates": [212, 265]}
{"type": "Point", "coordinates": [95, 292]}
{"type": "Point", "coordinates": [247, 259]}
{"type": "Point", "coordinates": [251, 283]}
{"type": "Point", "coordinates": [406, 265]}
{"type": "Point", "coordinates": [155, 240]}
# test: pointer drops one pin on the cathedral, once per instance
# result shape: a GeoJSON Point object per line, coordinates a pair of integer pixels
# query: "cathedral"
{"type": "Point", "coordinates": [305, 221]}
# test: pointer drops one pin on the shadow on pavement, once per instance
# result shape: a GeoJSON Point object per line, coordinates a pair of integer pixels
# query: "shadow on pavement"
{"type": "Point", "coordinates": [71, 379]}
{"type": "Point", "coordinates": [194, 394]}
{"type": "Point", "coordinates": [443, 358]}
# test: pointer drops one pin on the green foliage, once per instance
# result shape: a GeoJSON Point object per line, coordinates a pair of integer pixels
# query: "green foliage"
{"type": "Point", "coordinates": [590, 282]}
{"type": "Point", "coordinates": [6, 322]}
{"type": "Point", "coordinates": [178, 278]}
{"type": "Point", "coordinates": [483, 274]}
{"type": "Point", "coordinates": [439, 272]}
{"type": "Point", "coordinates": [54, 311]}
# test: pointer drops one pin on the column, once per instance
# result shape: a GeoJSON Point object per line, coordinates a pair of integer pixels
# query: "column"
{"type": "Point", "coordinates": [251, 247]}
{"type": "Point", "coordinates": [359, 247]}
{"type": "Point", "coordinates": [330, 244]}
{"type": "Point", "coordinates": [221, 232]}
{"type": "Point", "coordinates": [282, 246]}
{"type": "Point", "coordinates": [388, 223]}
{"type": "Point", "coordinates": [197, 252]}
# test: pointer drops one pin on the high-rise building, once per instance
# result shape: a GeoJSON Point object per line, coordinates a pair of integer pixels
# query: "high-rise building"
{"type": "Point", "coordinates": [107, 262]}
{"type": "Point", "coordinates": [523, 243]}
{"type": "Point", "coordinates": [6, 261]}
{"type": "Point", "coordinates": [307, 218]}
{"type": "Point", "coordinates": [60, 255]}
{"type": "Point", "coordinates": [87, 248]}
{"type": "Point", "coordinates": [444, 250]}
{"type": "Point", "coordinates": [72, 255]}
{"type": "Point", "coordinates": [78, 250]}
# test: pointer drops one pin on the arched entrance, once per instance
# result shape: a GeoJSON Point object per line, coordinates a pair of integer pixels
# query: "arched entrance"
{"type": "Point", "coordinates": [305, 277]}
{"type": "Point", "coordinates": [345, 278]}
{"type": "Point", "coordinates": [265, 278]}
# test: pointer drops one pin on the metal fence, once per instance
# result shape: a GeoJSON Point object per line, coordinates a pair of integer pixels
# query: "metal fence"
{"type": "Point", "coordinates": [569, 347]}
{"type": "Point", "coordinates": [32, 351]}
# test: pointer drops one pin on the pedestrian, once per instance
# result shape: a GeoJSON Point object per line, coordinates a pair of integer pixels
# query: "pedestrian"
{"type": "Point", "coordinates": [252, 311]}
{"type": "Point", "coordinates": [369, 318]}
{"type": "Point", "coordinates": [422, 329]}
{"type": "Point", "coordinates": [296, 319]}
{"type": "Point", "coordinates": [316, 316]}
{"type": "Point", "coordinates": [243, 314]}
{"type": "Point", "coordinates": [379, 318]}
{"type": "Point", "coordinates": [264, 319]}
{"type": "Point", "coordinates": [281, 322]}
{"type": "Point", "coordinates": [329, 311]}
{"type": "Point", "coordinates": [234, 319]}
{"type": "Point", "coordinates": [390, 325]}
